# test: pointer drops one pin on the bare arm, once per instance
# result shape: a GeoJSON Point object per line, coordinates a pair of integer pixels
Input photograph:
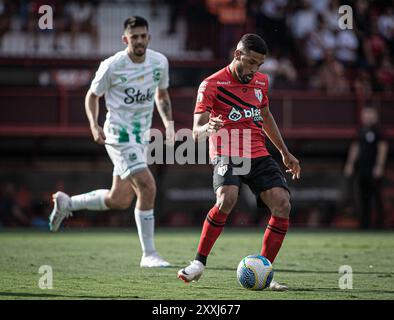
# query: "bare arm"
{"type": "Point", "coordinates": [92, 112]}
{"type": "Point", "coordinates": [271, 130]}
{"type": "Point", "coordinates": [353, 153]}
{"type": "Point", "coordinates": [163, 104]}
{"type": "Point", "coordinates": [381, 157]}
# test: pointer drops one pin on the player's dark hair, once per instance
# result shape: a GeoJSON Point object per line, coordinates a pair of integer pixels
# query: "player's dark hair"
{"type": "Point", "coordinates": [254, 42]}
{"type": "Point", "coordinates": [135, 21]}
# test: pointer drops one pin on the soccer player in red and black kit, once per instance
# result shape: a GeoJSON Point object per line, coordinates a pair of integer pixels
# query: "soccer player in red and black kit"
{"type": "Point", "coordinates": [235, 99]}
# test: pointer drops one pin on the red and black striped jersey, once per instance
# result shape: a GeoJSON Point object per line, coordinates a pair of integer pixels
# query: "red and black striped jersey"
{"type": "Point", "coordinates": [240, 106]}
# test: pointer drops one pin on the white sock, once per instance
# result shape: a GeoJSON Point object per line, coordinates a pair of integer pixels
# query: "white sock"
{"type": "Point", "coordinates": [93, 200]}
{"type": "Point", "coordinates": [145, 222]}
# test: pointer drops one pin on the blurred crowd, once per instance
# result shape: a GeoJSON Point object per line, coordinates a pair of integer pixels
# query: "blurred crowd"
{"type": "Point", "coordinates": [307, 47]}
{"type": "Point", "coordinates": [73, 17]}
{"type": "Point", "coordinates": [308, 50]}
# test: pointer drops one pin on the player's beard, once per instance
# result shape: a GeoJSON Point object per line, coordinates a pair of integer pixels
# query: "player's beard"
{"type": "Point", "coordinates": [138, 52]}
{"type": "Point", "coordinates": [243, 78]}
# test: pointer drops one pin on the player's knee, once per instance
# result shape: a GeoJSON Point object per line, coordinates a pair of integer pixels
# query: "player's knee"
{"type": "Point", "coordinates": [282, 208]}
{"type": "Point", "coordinates": [227, 201]}
{"type": "Point", "coordinates": [147, 189]}
{"type": "Point", "coordinates": [119, 202]}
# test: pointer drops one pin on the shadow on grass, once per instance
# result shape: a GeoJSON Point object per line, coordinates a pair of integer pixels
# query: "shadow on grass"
{"type": "Point", "coordinates": [27, 295]}
{"type": "Point", "coordinates": [383, 274]}
{"type": "Point", "coordinates": [337, 290]}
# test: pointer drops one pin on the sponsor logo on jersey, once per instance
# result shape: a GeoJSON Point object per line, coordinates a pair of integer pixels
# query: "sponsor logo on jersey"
{"type": "Point", "coordinates": [223, 82]}
{"type": "Point", "coordinates": [137, 96]}
{"type": "Point", "coordinates": [260, 82]}
{"type": "Point", "coordinates": [259, 94]}
{"type": "Point", "coordinates": [236, 115]}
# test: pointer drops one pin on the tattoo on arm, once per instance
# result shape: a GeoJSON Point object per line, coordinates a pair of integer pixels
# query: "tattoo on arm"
{"type": "Point", "coordinates": [165, 106]}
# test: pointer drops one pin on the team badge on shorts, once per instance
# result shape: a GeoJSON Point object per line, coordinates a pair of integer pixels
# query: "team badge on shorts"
{"type": "Point", "coordinates": [222, 170]}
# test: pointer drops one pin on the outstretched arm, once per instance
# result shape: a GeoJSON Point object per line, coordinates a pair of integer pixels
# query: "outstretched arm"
{"type": "Point", "coordinates": [271, 130]}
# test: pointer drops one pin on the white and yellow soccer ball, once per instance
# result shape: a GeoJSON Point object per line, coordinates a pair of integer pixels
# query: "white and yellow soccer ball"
{"type": "Point", "coordinates": [255, 272]}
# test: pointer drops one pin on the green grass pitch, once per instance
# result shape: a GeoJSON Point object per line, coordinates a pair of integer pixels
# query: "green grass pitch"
{"type": "Point", "coordinates": [105, 265]}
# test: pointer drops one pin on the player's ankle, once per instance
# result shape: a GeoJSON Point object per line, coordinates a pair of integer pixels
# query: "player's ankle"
{"type": "Point", "coordinates": [201, 258]}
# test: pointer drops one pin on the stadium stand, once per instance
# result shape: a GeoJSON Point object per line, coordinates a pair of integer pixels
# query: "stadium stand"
{"type": "Point", "coordinates": [320, 79]}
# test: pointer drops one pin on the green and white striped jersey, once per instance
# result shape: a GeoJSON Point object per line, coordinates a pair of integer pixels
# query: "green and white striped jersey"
{"type": "Point", "coordinates": [129, 90]}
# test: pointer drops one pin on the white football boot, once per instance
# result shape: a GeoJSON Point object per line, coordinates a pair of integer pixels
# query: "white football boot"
{"type": "Point", "coordinates": [60, 210]}
{"type": "Point", "coordinates": [275, 286]}
{"type": "Point", "coordinates": [153, 260]}
{"type": "Point", "coordinates": [192, 272]}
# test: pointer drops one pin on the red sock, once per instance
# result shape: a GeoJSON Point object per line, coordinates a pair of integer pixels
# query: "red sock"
{"type": "Point", "coordinates": [211, 230]}
{"type": "Point", "coordinates": [273, 237]}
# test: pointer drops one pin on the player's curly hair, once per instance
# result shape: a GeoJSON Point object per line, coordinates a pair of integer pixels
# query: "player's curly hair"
{"type": "Point", "coordinates": [135, 21]}
{"type": "Point", "coordinates": [254, 42]}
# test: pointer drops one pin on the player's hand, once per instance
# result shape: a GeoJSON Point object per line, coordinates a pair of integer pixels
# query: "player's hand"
{"type": "Point", "coordinates": [170, 135]}
{"type": "Point", "coordinates": [377, 172]}
{"type": "Point", "coordinates": [215, 124]}
{"type": "Point", "coordinates": [348, 171]}
{"type": "Point", "coordinates": [293, 164]}
{"type": "Point", "coordinates": [98, 134]}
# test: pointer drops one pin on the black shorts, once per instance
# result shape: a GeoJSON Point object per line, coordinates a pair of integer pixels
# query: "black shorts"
{"type": "Point", "coordinates": [264, 174]}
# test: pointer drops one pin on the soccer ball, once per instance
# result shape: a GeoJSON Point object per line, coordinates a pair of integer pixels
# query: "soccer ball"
{"type": "Point", "coordinates": [255, 272]}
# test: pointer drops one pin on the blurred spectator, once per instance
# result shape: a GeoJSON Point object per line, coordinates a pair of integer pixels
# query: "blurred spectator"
{"type": "Point", "coordinates": [232, 19]}
{"type": "Point", "coordinates": [346, 47]}
{"type": "Point", "coordinates": [363, 83]}
{"type": "Point", "coordinates": [331, 15]}
{"type": "Point", "coordinates": [374, 46]}
{"type": "Point", "coordinates": [367, 158]}
{"type": "Point", "coordinates": [386, 27]}
{"type": "Point", "coordinates": [175, 8]}
{"type": "Point", "coordinates": [318, 42]}
{"type": "Point", "coordinates": [201, 27]}
{"type": "Point", "coordinates": [58, 22]}
{"type": "Point", "coordinates": [330, 77]}
{"type": "Point", "coordinates": [5, 18]}
{"type": "Point", "coordinates": [271, 23]}
{"type": "Point", "coordinates": [362, 17]}
{"type": "Point", "coordinates": [11, 214]}
{"type": "Point", "coordinates": [82, 18]}
{"type": "Point", "coordinates": [385, 75]}
{"type": "Point", "coordinates": [304, 21]}
{"type": "Point", "coordinates": [279, 68]}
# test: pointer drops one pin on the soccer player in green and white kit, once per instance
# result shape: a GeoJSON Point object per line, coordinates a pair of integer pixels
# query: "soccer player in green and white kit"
{"type": "Point", "coordinates": [131, 81]}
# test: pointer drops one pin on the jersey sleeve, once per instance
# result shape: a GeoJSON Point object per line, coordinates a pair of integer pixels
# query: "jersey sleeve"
{"type": "Point", "coordinates": [165, 78]}
{"type": "Point", "coordinates": [205, 97]}
{"type": "Point", "coordinates": [265, 101]}
{"type": "Point", "coordinates": [101, 81]}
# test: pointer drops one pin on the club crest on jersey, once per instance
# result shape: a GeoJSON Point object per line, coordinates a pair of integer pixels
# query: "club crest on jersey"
{"type": "Point", "coordinates": [234, 115]}
{"type": "Point", "coordinates": [259, 94]}
{"type": "Point", "coordinates": [156, 74]}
